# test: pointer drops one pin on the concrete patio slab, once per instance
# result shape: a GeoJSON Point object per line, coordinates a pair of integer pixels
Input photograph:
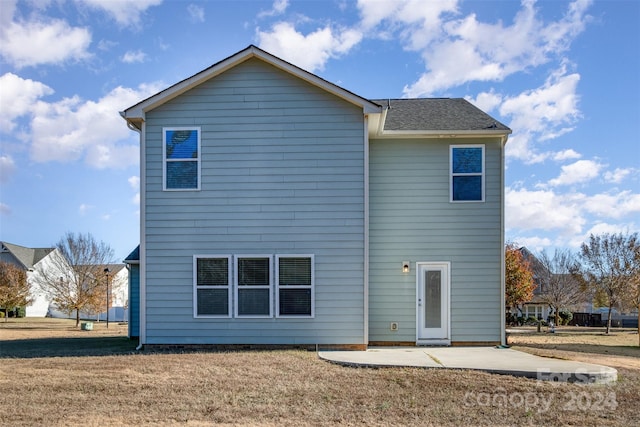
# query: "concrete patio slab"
{"type": "Point", "coordinates": [497, 360]}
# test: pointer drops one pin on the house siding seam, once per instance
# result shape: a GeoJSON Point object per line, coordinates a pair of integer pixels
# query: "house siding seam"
{"type": "Point", "coordinates": [282, 172]}
{"type": "Point", "coordinates": [411, 218]}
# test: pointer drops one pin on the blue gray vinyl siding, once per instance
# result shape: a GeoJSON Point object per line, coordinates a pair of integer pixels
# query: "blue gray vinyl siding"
{"type": "Point", "coordinates": [412, 219]}
{"type": "Point", "coordinates": [282, 173]}
{"type": "Point", "coordinates": [134, 301]}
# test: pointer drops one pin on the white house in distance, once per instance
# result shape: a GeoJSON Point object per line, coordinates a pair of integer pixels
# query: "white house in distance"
{"type": "Point", "coordinates": [278, 208]}
{"type": "Point", "coordinates": [32, 259]}
{"type": "Point", "coordinates": [28, 259]}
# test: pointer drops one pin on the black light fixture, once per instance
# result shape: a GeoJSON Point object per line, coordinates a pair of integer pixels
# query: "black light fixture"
{"type": "Point", "coordinates": [106, 272]}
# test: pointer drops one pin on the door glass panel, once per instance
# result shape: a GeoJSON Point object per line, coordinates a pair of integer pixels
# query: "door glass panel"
{"type": "Point", "coordinates": [433, 299]}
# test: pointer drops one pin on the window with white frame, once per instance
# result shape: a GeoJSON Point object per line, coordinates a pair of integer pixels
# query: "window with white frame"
{"type": "Point", "coordinates": [294, 281]}
{"type": "Point", "coordinates": [212, 286]}
{"type": "Point", "coordinates": [181, 158]}
{"type": "Point", "coordinates": [467, 173]}
{"type": "Point", "coordinates": [253, 286]}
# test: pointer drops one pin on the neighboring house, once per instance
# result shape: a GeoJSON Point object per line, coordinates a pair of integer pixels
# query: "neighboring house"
{"type": "Point", "coordinates": [537, 307]}
{"type": "Point", "coordinates": [27, 259]}
{"type": "Point", "coordinates": [280, 209]}
{"type": "Point", "coordinates": [118, 297]}
{"type": "Point", "coordinates": [133, 266]}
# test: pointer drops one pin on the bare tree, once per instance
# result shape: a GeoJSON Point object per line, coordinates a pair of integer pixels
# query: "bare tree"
{"type": "Point", "coordinates": [15, 290]}
{"type": "Point", "coordinates": [76, 281]}
{"type": "Point", "coordinates": [611, 267]}
{"type": "Point", "coordinates": [633, 294]}
{"type": "Point", "coordinates": [559, 287]}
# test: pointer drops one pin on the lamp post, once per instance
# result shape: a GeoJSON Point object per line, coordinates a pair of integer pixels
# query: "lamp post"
{"type": "Point", "coordinates": [106, 272]}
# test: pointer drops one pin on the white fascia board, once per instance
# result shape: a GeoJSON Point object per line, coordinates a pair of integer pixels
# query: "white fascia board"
{"type": "Point", "coordinates": [136, 112]}
{"type": "Point", "coordinates": [440, 134]}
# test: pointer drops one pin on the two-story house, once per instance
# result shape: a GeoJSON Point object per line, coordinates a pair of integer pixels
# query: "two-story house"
{"type": "Point", "coordinates": [278, 208]}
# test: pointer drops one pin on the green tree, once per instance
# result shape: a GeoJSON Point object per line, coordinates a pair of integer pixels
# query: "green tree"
{"type": "Point", "coordinates": [75, 279]}
{"type": "Point", "coordinates": [15, 290]}
{"type": "Point", "coordinates": [611, 265]}
{"type": "Point", "coordinates": [518, 277]}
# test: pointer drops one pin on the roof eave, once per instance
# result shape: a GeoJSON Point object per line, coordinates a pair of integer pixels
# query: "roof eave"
{"type": "Point", "coordinates": [443, 133]}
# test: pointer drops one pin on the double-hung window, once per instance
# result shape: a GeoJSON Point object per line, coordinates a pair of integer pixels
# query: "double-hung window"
{"type": "Point", "coordinates": [212, 277]}
{"type": "Point", "coordinates": [181, 158]}
{"type": "Point", "coordinates": [294, 280]}
{"type": "Point", "coordinates": [253, 286]}
{"type": "Point", "coordinates": [467, 173]}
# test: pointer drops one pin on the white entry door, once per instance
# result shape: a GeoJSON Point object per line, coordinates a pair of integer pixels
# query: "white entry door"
{"type": "Point", "coordinates": [433, 315]}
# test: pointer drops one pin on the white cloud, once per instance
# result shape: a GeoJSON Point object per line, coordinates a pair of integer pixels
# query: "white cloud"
{"type": "Point", "coordinates": [278, 8]}
{"type": "Point", "coordinates": [619, 175]}
{"type": "Point", "coordinates": [134, 56]}
{"type": "Point", "coordinates": [196, 13]}
{"type": "Point", "coordinates": [486, 101]}
{"type": "Point", "coordinates": [7, 168]}
{"type": "Point", "coordinates": [541, 114]}
{"type": "Point", "coordinates": [566, 215]}
{"type": "Point", "coordinates": [418, 25]}
{"type": "Point", "coordinates": [28, 43]}
{"type": "Point", "coordinates": [613, 206]}
{"type": "Point", "coordinates": [19, 96]}
{"type": "Point", "coordinates": [576, 173]}
{"type": "Point", "coordinates": [535, 244]}
{"type": "Point", "coordinates": [543, 110]}
{"type": "Point", "coordinates": [544, 210]}
{"type": "Point", "coordinates": [127, 13]}
{"type": "Point", "coordinates": [463, 50]}
{"type": "Point", "coordinates": [134, 182]}
{"type": "Point", "coordinates": [72, 128]}
{"type": "Point", "coordinates": [568, 154]}
{"type": "Point", "coordinates": [311, 51]}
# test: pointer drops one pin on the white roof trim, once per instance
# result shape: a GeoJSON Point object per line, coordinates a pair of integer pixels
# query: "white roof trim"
{"type": "Point", "coordinates": [137, 112]}
{"type": "Point", "coordinates": [440, 133]}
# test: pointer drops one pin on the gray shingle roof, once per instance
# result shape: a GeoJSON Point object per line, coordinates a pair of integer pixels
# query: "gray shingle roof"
{"type": "Point", "coordinates": [27, 256]}
{"type": "Point", "coordinates": [437, 114]}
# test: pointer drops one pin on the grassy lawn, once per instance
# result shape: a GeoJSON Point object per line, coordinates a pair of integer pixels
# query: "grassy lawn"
{"type": "Point", "coordinates": [54, 374]}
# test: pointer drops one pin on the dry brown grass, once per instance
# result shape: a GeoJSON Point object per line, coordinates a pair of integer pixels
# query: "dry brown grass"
{"type": "Point", "coordinates": [103, 381]}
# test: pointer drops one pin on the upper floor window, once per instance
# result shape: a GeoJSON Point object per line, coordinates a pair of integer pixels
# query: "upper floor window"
{"type": "Point", "coordinates": [181, 155]}
{"type": "Point", "coordinates": [467, 173]}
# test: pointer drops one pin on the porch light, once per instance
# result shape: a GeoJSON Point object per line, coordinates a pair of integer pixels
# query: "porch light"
{"type": "Point", "coordinates": [406, 266]}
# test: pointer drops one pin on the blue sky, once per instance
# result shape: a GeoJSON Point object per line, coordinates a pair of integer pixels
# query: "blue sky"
{"type": "Point", "coordinates": [565, 76]}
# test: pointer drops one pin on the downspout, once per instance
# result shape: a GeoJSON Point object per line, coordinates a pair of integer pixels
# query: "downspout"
{"type": "Point", "coordinates": [142, 261]}
{"type": "Point", "coordinates": [366, 232]}
{"type": "Point", "coordinates": [503, 330]}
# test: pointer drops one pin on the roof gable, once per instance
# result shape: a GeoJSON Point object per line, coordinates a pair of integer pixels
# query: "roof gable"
{"type": "Point", "coordinates": [28, 257]}
{"type": "Point", "coordinates": [135, 114]}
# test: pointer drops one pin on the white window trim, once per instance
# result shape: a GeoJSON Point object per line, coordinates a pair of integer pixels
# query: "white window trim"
{"type": "Point", "coordinates": [165, 160]}
{"type": "Point", "coordinates": [237, 287]}
{"type": "Point", "coordinates": [229, 259]}
{"type": "Point", "coordinates": [451, 174]}
{"type": "Point", "coordinates": [313, 287]}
